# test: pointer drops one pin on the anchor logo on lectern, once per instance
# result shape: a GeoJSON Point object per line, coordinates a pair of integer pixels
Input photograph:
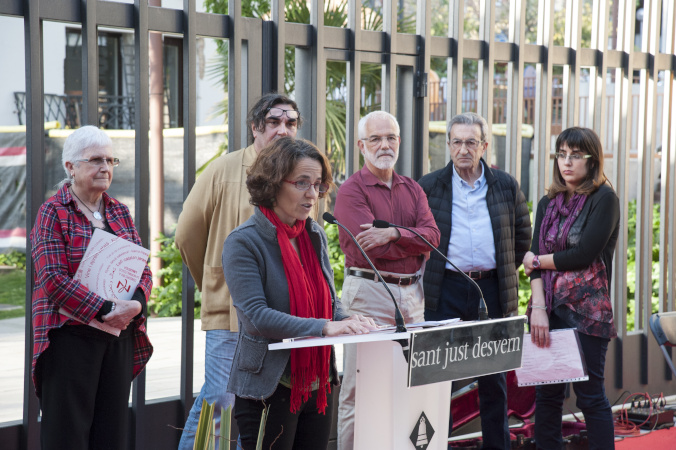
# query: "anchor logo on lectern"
{"type": "Point", "coordinates": [422, 433]}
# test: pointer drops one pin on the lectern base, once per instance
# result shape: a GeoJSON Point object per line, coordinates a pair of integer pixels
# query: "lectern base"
{"type": "Point", "coordinates": [390, 416]}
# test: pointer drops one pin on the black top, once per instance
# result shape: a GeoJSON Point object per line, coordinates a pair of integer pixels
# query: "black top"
{"type": "Point", "coordinates": [594, 233]}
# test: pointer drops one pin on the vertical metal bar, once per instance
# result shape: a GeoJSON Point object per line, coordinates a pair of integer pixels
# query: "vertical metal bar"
{"type": "Point", "coordinates": [486, 70]}
{"type": "Point", "coordinates": [319, 69]}
{"type": "Point", "coordinates": [352, 107]}
{"type": "Point", "coordinates": [278, 44]}
{"type": "Point", "coordinates": [253, 33]}
{"type": "Point", "coordinates": [90, 64]}
{"type": "Point", "coordinates": [388, 101]}
{"type": "Point", "coordinates": [543, 97]}
{"type": "Point", "coordinates": [141, 187]}
{"type": "Point", "coordinates": [35, 191]}
{"type": "Point", "coordinates": [622, 137]}
{"type": "Point", "coordinates": [268, 57]}
{"type": "Point", "coordinates": [456, 30]}
{"type": "Point", "coordinates": [389, 72]}
{"type": "Point", "coordinates": [598, 96]}
{"type": "Point", "coordinates": [667, 189]}
{"type": "Point", "coordinates": [515, 71]}
{"type": "Point", "coordinates": [643, 292]}
{"type": "Point", "coordinates": [189, 168]}
{"type": "Point", "coordinates": [570, 115]}
{"type": "Point", "coordinates": [646, 181]}
{"type": "Point", "coordinates": [313, 100]}
{"type": "Point", "coordinates": [237, 132]}
{"type": "Point", "coordinates": [421, 136]}
{"type": "Point", "coordinates": [243, 72]}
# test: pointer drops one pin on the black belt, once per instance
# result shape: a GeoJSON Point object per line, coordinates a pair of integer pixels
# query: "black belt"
{"type": "Point", "coordinates": [400, 281]}
{"type": "Point", "coordinates": [475, 275]}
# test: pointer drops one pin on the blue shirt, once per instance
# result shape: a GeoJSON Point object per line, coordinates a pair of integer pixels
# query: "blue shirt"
{"type": "Point", "coordinates": [471, 246]}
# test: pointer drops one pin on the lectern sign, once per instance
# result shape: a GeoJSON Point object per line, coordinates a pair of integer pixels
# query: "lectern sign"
{"type": "Point", "coordinates": [465, 350]}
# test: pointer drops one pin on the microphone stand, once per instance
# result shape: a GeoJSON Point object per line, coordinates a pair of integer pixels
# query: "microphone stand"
{"type": "Point", "coordinates": [483, 309]}
{"type": "Point", "coordinates": [398, 317]}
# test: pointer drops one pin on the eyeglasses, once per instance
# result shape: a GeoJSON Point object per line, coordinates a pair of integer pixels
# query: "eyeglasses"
{"type": "Point", "coordinates": [277, 113]}
{"type": "Point", "coordinates": [471, 144]}
{"type": "Point", "coordinates": [304, 185]}
{"type": "Point", "coordinates": [573, 156]}
{"type": "Point", "coordinates": [112, 162]}
{"type": "Point", "coordinates": [392, 139]}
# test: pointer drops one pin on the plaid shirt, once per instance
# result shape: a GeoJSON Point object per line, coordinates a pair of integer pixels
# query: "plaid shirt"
{"type": "Point", "coordinates": [59, 240]}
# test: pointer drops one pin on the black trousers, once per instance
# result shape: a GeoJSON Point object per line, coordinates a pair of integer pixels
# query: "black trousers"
{"type": "Point", "coordinates": [306, 430]}
{"type": "Point", "coordinates": [85, 382]}
{"type": "Point", "coordinates": [460, 299]}
{"type": "Point", "coordinates": [591, 398]}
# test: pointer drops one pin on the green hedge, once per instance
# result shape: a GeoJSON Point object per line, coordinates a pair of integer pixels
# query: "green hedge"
{"type": "Point", "coordinates": [166, 300]}
{"type": "Point", "coordinates": [14, 259]}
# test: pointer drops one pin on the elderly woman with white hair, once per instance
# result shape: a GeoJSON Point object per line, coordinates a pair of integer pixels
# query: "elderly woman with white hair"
{"type": "Point", "coordinates": [81, 374]}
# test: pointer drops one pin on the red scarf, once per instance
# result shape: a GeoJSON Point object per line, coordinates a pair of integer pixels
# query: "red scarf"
{"type": "Point", "coordinates": [309, 296]}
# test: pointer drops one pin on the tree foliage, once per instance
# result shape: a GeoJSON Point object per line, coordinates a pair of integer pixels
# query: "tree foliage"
{"type": "Point", "coordinates": [631, 263]}
{"type": "Point", "coordinates": [335, 15]}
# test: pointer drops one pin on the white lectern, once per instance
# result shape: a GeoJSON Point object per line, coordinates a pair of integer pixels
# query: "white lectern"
{"type": "Point", "coordinates": [387, 412]}
{"type": "Point", "coordinates": [391, 416]}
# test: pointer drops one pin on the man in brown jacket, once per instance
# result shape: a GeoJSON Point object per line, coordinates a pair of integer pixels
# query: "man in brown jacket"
{"type": "Point", "coordinates": [217, 204]}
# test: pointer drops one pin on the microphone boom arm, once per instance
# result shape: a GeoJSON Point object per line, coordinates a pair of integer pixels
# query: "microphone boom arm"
{"type": "Point", "coordinates": [398, 317]}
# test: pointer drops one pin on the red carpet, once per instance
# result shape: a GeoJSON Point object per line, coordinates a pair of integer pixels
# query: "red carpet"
{"type": "Point", "coordinates": [655, 440]}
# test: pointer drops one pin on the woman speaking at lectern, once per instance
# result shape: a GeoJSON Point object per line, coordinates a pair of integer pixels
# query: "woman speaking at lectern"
{"type": "Point", "coordinates": [277, 267]}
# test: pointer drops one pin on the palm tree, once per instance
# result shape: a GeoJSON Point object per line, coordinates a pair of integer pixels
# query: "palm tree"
{"type": "Point", "coordinates": [335, 15]}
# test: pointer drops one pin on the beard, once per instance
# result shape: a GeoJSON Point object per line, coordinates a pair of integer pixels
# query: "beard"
{"type": "Point", "coordinates": [382, 163]}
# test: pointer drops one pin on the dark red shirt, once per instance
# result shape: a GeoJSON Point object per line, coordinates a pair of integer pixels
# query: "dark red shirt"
{"type": "Point", "coordinates": [59, 240]}
{"type": "Point", "coordinates": [363, 198]}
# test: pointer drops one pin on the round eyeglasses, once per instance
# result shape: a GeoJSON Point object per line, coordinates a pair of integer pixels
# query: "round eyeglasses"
{"type": "Point", "coordinates": [391, 139]}
{"type": "Point", "coordinates": [111, 162]}
{"type": "Point", "coordinates": [573, 156]}
{"type": "Point", "coordinates": [304, 185]}
{"type": "Point", "coordinates": [471, 144]}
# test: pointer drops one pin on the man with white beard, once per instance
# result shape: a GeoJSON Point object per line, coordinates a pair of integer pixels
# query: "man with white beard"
{"type": "Point", "coordinates": [377, 192]}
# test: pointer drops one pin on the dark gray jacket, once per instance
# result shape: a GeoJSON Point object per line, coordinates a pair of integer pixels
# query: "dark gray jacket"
{"type": "Point", "coordinates": [252, 265]}
{"type": "Point", "coordinates": [511, 231]}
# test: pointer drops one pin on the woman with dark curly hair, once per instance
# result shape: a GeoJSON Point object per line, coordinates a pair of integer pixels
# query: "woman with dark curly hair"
{"type": "Point", "coordinates": [570, 265]}
{"type": "Point", "coordinates": [277, 267]}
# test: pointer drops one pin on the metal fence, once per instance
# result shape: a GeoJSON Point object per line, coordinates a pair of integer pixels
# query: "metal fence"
{"type": "Point", "coordinates": [256, 61]}
{"type": "Point", "coordinates": [115, 112]}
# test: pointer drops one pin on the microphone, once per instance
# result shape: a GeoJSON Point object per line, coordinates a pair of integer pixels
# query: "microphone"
{"type": "Point", "coordinates": [483, 309]}
{"type": "Point", "coordinates": [398, 317]}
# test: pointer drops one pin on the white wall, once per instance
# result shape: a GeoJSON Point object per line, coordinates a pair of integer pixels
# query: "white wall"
{"type": "Point", "coordinates": [54, 42]}
{"type": "Point", "coordinates": [12, 75]}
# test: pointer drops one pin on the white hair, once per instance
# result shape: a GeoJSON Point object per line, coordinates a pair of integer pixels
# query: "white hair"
{"type": "Point", "coordinates": [361, 128]}
{"type": "Point", "coordinates": [80, 140]}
